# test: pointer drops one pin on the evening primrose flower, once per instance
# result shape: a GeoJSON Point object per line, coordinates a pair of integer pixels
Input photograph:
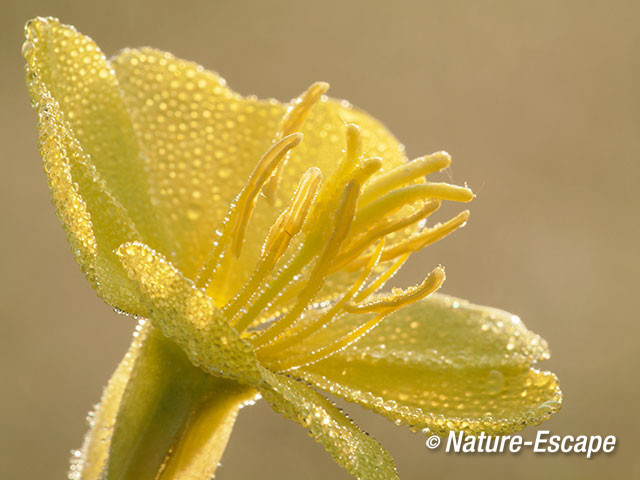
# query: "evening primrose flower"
{"type": "Point", "coordinates": [253, 239]}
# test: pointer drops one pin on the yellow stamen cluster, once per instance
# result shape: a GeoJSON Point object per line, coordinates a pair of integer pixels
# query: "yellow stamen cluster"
{"type": "Point", "coordinates": [358, 219]}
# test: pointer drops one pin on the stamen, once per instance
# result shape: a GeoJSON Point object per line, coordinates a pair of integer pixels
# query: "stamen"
{"type": "Point", "coordinates": [366, 168]}
{"type": "Point", "coordinates": [417, 242]}
{"type": "Point", "coordinates": [360, 174]}
{"type": "Point", "coordinates": [330, 192]}
{"type": "Point", "coordinates": [307, 330]}
{"type": "Point", "coordinates": [403, 175]}
{"type": "Point", "coordinates": [218, 263]}
{"type": "Point", "coordinates": [384, 307]}
{"type": "Point", "coordinates": [214, 261]}
{"type": "Point", "coordinates": [342, 224]}
{"type": "Point", "coordinates": [399, 298]}
{"type": "Point", "coordinates": [299, 108]}
{"type": "Point", "coordinates": [362, 242]}
{"type": "Point", "coordinates": [354, 143]}
{"type": "Point", "coordinates": [382, 278]}
{"type": "Point", "coordinates": [397, 199]}
{"type": "Point", "coordinates": [290, 222]}
{"type": "Point", "coordinates": [327, 200]}
{"type": "Point", "coordinates": [261, 173]}
{"type": "Point", "coordinates": [292, 122]}
{"type": "Point", "coordinates": [325, 207]}
{"type": "Point", "coordinates": [286, 226]}
{"type": "Point", "coordinates": [330, 349]}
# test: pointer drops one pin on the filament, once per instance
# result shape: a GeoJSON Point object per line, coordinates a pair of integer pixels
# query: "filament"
{"type": "Point", "coordinates": [286, 226]}
{"type": "Point", "coordinates": [416, 242]}
{"type": "Point", "coordinates": [343, 220]}
{"type": "Point", "coordinates": [324, 319]}
{"type": "Point", "coordinates": [383, 277]}
{"type": "Point", "coordinates": [380, 230]}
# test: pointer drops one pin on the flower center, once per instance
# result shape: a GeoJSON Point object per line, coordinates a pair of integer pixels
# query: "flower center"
{"type": "Point", "coordinates": [357, 225]}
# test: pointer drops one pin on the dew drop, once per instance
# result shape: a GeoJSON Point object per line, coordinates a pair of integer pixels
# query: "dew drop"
{"type": "Point", "coordinates": [495, 382]}
{"type": "Point", "coordinates": [192, 214]}
{"type": "Point", "coordinates": [27, 49]}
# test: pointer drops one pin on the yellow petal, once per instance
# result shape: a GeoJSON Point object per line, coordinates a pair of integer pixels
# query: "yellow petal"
{"type": "Point", "coordinates": [443, 364]}
{"type": "Point", "coordinates": [75, 73]}
{"type": "Point", "coordinates": [202, 140]}
{"type": "Point", "coordinates": [95, 220]}
{"type": "Point", "coordinates": [188, 316]}
{"type": "Point", "coordinates": [356, 451]}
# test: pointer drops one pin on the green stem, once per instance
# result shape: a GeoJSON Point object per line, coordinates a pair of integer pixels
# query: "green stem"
{"type": "Point", "coordinates": [173, 420]}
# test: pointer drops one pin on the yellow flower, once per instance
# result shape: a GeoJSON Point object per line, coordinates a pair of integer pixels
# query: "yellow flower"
{"type": "Point", "coordinates": [255, 237]}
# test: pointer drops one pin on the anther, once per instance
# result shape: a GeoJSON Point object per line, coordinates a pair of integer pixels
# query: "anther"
{"type": "Point", "coordinates": [289, 223]}
{"type": "Point", "coordinates": [396, 199]}
{"type": "Point", "coordinates": [417, 242]}
{"type": "Point", "coordinates": [349, 167]}
{"type": "Point", "coordinates": [261, 173]}
{"type": "Point", "coordinates": [404, 175]}
{"type": "Point", "coordinates": [354, 143]}
{"type": "Point", "coordinates": [399, 298]}
{"type": "Point", "coordinates": [292, 122]}
{"type": "Point", "coordinates": [299, 108]}
{"type": "Point", "coordinates": [359, 173]}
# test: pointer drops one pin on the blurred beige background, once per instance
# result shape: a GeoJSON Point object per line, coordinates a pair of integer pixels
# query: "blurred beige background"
{"type": "Point", "coordinates": [539, 104]}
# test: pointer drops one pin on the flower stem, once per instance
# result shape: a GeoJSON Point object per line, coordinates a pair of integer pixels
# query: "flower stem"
{"type": "Point", "coordinates": [173, 420]}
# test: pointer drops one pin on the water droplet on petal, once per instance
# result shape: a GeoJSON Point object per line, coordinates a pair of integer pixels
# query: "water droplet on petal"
{"type": "Point", "coordinates": [495, 382]}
